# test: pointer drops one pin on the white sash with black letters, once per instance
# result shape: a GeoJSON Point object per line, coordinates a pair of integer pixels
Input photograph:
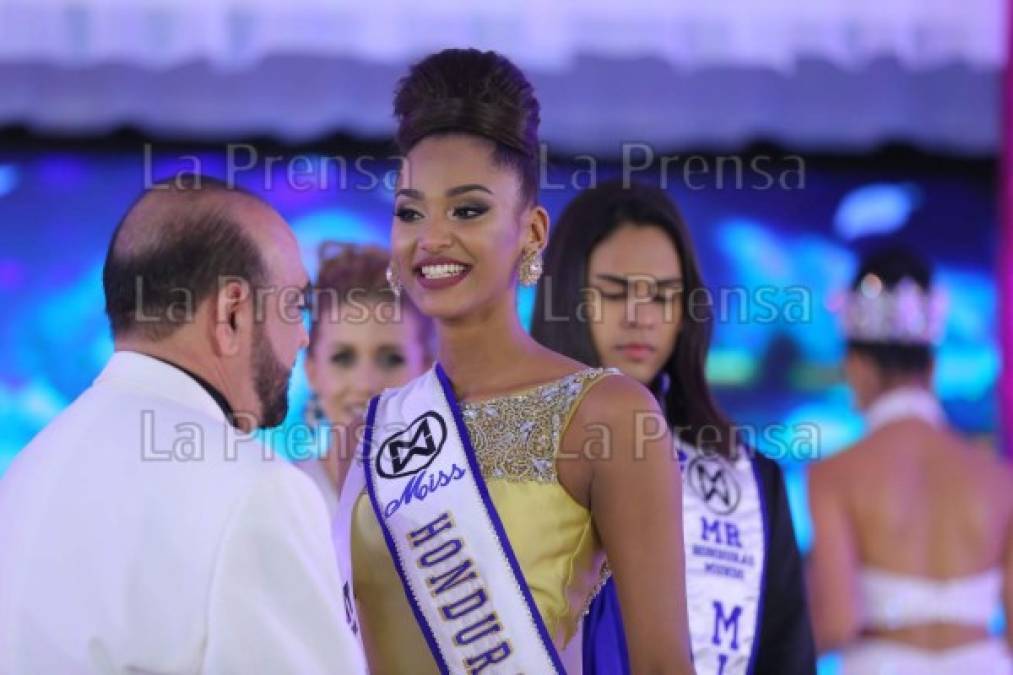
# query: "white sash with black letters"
{"type": "Point", "coordinates": [455, 562]}
{"type": "Point", "coordinates": [725, 538]}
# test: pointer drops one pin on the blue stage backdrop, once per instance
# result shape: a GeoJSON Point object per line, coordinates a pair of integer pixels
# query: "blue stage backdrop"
{"type": "Point", "coordinates": [777, 239]}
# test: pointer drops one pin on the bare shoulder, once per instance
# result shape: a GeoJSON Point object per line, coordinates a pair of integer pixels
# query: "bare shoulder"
{"type": "Point", "coordinates": [619, 402]}
{"type": "Point", "coordinates": [832, 472]}
{"type": "Point", "coordinates": [982, 450]}
{"type": "Point", "coordinates": [1003, 467]}
{"type": "Point", "coordinates": [985, 460]}
{"type": "Point", "coordinates": [616, 397]}
{"type": "Point", "coordinates": [820, 474]}
{"type": "Point", "coordinates": [1004, 478]}
{"type": "Point", "coordinates": [614, 411]}
{"type": "Point", "coordinates": [990, 472]}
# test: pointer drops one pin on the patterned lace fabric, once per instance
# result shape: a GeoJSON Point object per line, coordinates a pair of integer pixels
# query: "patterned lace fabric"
{"type": "Point", "coordinates": [516, 437]}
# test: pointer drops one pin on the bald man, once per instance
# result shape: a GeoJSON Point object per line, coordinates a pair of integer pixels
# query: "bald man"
{"type": "Point", "coordinates": [144, 530]}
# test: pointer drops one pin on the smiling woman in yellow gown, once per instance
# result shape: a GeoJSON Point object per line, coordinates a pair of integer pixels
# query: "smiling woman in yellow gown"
{"type": "Point", "coordinates": [555, 442]}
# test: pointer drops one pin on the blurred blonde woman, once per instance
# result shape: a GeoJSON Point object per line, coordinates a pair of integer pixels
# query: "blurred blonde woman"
{"type": "Point", "coordinates": [913, 550]}
{"type": "Point", "coordinates": [362, 340]}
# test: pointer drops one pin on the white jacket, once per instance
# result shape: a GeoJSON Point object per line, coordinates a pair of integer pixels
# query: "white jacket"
{"type": "Point", "coordinates": [139, 532]}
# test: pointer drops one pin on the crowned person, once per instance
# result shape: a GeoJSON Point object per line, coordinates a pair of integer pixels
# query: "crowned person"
{"type": "Point", "coordinates": [913, 526]}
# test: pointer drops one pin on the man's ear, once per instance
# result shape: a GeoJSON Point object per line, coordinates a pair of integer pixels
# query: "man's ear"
{"type": "Point", "coordinates": [231, 315]}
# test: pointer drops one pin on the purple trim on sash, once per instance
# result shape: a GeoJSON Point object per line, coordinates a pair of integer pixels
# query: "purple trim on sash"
{"type": "Point", "coordinates": [391, 546]}
{"type": "Point", "coordinates": [469, 451]}
{"type": "Point", "coordinates": [763, 572]}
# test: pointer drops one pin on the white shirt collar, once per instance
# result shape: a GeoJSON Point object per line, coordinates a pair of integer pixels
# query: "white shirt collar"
{"type": "Point", "coordinates": [903, 403]}
{"type": "Point", "coordinates": [145, 373]}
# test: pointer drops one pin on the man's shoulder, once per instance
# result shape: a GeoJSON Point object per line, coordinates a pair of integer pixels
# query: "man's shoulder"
{"type": "Point", "coordinates": [152, 446]}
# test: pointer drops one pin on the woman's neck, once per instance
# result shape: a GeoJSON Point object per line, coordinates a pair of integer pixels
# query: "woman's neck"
{"type": "Point", "coordinates": [905, 381]}
{"type": "Point", "coordinates": [479, 353]}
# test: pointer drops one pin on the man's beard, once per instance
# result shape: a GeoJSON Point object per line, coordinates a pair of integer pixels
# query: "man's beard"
{"type": "Point", "coordinates": [270, 380]}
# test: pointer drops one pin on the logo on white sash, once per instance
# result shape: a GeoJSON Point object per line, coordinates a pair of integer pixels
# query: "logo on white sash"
{"type": "Point", "coordinates": [714, 481]}
{"type": "Point", "coordinates": [413, 449]}
{"type": "Point", "coordinates": [459, 572]}
{"type": "Point", "coordinates": [725, 546]}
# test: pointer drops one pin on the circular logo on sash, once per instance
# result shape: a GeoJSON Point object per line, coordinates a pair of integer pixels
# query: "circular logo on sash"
{"type": "Point", "coordinates": [714, 481]}
{"type": "Point", "coordinates": [413, 449]}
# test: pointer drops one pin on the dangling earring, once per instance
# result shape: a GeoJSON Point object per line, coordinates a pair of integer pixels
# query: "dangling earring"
{"type": "Point", "coordinates": [531, 268]}
{"type": "Point", "coordinates": [394, 281]}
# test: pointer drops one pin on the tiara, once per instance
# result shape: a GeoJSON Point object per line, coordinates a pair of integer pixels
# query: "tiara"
{"type": "Point", "coordinates": [905, 314]}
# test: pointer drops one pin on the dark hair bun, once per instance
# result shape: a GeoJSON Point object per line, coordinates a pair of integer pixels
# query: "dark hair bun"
{"type": "Point", "coordinates": [468, 91]}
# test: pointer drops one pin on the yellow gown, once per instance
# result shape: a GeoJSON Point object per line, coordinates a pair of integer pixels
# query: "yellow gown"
{"type": "Point", "coordinates": [516, 438]}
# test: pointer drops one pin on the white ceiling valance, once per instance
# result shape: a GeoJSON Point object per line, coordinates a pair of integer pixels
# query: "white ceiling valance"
{"type": "Point", "coordinates": [702, 72]}
{"type": "Point", "coordinates": [538, 34]}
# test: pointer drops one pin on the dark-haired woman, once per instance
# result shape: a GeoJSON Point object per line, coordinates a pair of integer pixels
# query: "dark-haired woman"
{"type": "Point", "coordinates": [623, 289]}
{"type": "Point", "coordinates": [913, 528]}
{"type": "Point", "coordinates": [478, 521]}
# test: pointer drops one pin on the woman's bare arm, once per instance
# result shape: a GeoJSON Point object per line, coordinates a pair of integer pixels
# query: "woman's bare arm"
{"type": "Point", "coordinates": [833, 566]}
{"type": "Point", "coordinates": [635, 495]}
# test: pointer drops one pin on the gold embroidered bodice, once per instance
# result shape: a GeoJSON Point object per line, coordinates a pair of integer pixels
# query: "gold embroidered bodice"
{"type": "Point", "coordinates": [516, 439]}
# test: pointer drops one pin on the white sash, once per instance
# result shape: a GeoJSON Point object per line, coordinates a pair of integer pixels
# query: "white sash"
{"type": "Point", "coordinates": [723, 520]}
{"type": "Point", "coordinates": [455, 562]}
{"type": "Point", "coordinates": [355, 483]}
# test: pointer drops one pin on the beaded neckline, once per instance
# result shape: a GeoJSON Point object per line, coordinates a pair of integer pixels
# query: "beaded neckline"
{"type": "Point", "coordinates": [516, 436]}
{"type": "Point", "coordinates": [535, 390]}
